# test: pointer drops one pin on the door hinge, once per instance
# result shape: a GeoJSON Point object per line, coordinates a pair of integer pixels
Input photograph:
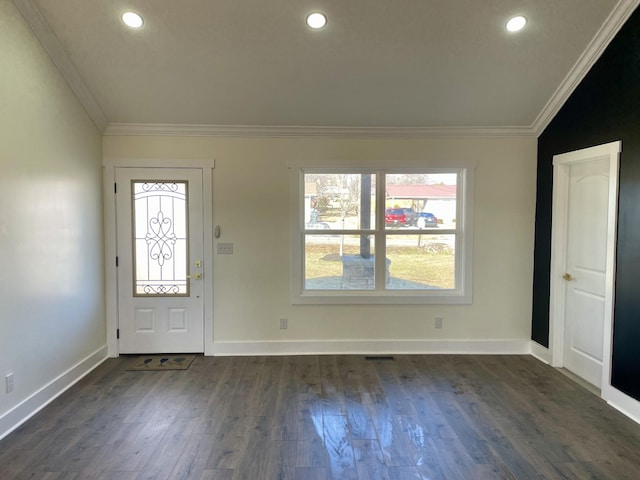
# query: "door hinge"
{"type": "Point", "coordinates": [115, 188]}
{"type": "Point", "coordinates": [116, 261]}
{"type": "Point", "coordinates": [117, 333]}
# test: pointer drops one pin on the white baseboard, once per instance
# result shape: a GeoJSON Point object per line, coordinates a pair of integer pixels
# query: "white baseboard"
{"type": "Point", "coordinates": [373, 347]}
{"type": "Point", "coordinates": [541, 353]}
{"type": "Point", "coordinates": [40, 399]}
{"type": "Point", "coordinates": [622, 402]}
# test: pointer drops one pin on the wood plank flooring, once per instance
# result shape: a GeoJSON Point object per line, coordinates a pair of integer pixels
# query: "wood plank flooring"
{"type": "Point", "coordinates": [326, 417]}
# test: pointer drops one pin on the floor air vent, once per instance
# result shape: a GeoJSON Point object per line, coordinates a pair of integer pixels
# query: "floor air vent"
{"type": "Point", "coordinates": [380, 357]}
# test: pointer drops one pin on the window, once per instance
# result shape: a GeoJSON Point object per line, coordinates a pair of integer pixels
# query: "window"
{"type": "Point", "coordinates": [160, 245]}
{"type": "Point", "coordinates": [382, 236]}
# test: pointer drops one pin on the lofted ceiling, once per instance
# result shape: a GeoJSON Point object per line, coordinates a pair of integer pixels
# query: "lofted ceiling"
{"type": "Point", "coordinates": [409, 64]}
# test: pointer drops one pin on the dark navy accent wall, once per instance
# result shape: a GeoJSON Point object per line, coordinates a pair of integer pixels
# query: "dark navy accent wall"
{"type": "Point", "coordinates": [604, 108]}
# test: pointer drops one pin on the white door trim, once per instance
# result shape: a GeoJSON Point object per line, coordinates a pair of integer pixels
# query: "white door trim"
{"type": "Point", "coordinates": [557, 299]}
{"type": "Point", "coordinates": [111, 277]}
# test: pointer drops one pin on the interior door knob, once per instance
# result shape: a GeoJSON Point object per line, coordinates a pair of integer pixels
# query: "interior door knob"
{"type": "Point", "coordinates": [567, 277]}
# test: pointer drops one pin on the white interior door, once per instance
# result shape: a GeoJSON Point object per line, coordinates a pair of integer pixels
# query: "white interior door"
{"type": "Point", "coordinates": [583, 260]}
{"type": "Point", "coordinates": [586, 263]}
{"type": "Point", "coordinates": [159, 214]}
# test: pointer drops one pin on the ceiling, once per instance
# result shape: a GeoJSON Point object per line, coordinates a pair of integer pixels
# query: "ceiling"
{"type": "Point", "coordinates": [406, 64]}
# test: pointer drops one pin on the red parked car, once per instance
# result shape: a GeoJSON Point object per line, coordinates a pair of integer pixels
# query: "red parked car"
{"type": "Point", "coordinates": [400, 216]}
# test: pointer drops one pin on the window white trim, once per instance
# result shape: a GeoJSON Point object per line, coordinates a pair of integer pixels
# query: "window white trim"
{"type": "Point", "coordinates": [461, 294]}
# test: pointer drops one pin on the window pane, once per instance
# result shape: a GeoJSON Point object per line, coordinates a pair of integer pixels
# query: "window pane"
{"type": "Point", "coordinates": [421, 262]}
{"type": "Point", "coordinates": [335, 201]}
{"type": "Point", "coordinates": [160, 238]}
{"type": "Point", "coordinates": [339, 262]}
{"type": "Point", "coordinates": [420, 201]}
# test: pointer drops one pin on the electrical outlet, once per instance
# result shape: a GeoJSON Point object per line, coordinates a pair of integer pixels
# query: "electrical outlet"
{"type": "Point", "coordinates": [283, 323]}
{"type": "Point", "coordinates": [9, 382]}
{"type": "Point", "coordinates": [439, 322]}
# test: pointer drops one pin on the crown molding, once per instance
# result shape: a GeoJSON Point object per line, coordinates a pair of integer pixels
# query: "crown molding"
{"type": "Point", "coordinates": [41, 29]}
{"type": "Point", "coordinates": [148, 129]}
{"type": "Point", "coordinates": [589, 57]}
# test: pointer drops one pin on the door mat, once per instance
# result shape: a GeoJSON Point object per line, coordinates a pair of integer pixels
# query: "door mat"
{"type": "Point", "coordinates": [161, 362]}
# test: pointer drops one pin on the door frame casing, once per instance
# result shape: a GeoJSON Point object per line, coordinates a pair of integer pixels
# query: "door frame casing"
{"type": "Point", "coordinates": [559, 238]}
{"type": "Point", "coordinates": [110, 236]}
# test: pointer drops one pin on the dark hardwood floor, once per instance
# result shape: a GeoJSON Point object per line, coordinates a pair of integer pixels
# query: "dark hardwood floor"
{"type": "Point", "coordinates": [327, 417]}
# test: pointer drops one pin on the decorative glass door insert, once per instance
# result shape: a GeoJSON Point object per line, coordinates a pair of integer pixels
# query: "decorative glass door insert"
{"type": "Point", "coordinates": [160, 238]}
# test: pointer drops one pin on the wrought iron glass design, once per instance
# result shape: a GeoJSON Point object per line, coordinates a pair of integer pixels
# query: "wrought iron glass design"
{"type": "Point", "coordinates": [160, 243]}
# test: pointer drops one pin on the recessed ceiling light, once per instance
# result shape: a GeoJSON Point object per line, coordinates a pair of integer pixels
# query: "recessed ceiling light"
{"type": "Point", "coordinates": [516, 23]}
{"type": "Point", "coordinates": [316, 20]}
{"type": "Point", "coordinates": [132, 19]}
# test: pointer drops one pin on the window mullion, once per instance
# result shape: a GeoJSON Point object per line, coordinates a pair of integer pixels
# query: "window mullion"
{"type": "Point", "coordinates": [380, 237]}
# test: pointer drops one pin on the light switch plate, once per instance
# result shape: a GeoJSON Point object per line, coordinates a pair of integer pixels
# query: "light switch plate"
{"type": "Point", "coordinates": [224, 249]}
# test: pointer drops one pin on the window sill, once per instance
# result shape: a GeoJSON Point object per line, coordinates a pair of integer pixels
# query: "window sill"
{"type": "Point", "coordinates": [392, 297]}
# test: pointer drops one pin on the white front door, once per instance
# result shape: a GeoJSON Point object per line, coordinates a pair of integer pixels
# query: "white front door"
{"type": "Point", "coordinates": [159, 214]}
{"type": "Point", "coordinates": [584, 263]}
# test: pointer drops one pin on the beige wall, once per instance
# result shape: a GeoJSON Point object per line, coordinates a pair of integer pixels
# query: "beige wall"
{"type": "Point", "coordinates": [51, 236]}
{"type": "Point", "coordinates": [251, 204]}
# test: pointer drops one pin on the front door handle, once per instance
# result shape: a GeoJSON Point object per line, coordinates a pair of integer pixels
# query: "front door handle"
{"type": "Point", "coordinates": [195, 276]}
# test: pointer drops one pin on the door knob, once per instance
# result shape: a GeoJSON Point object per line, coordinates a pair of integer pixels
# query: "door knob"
{"type": "Point", "coordinates": [195, 276]}
{"type": "Point", "coordinates": [567, 277]}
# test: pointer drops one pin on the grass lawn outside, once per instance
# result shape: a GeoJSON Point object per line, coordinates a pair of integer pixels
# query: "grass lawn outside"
{"type": "Point", "coordinates": [431, 264]}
